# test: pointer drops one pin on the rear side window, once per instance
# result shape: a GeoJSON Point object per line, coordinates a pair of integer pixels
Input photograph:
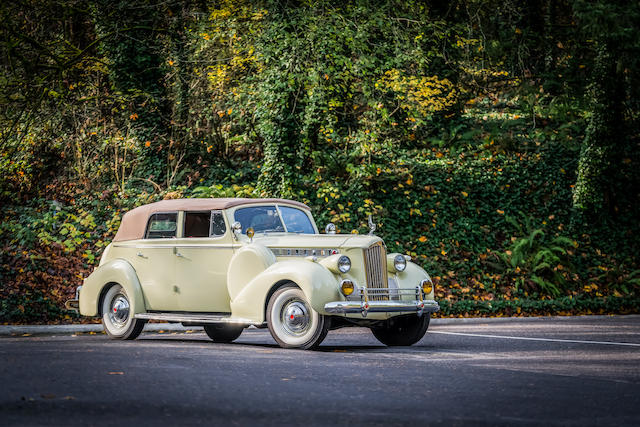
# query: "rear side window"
{"type": "Point", "coordinates": [162, 226]}
{"type": "Point", "coordinates": [196, 224]}
{"type": "Point", "coordinates": [204, 224]}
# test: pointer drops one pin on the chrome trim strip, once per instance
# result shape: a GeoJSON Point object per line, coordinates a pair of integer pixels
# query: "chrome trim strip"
{"type": "Point", "coordinates": [171, 245]}
{"type": "Point", "coordinates": [207, 246]}
{"type": "Point", "coordinates": [344, 307]}
{"type": "Point", "coordinates": [120, 245]}
{"type": "Point", "coordinates": [304, 252]}
{"type": "Point", "coordinates": [393, 291]}
{"type": "Point", "coordinates": [194, 318]}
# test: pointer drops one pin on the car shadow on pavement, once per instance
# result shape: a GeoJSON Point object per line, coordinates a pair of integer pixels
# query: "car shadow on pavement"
{"type": "Point", "coordinates": [263, 345]}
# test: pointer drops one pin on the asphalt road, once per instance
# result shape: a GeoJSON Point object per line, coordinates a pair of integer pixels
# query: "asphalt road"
{"type": "Point", "coordinates": [554, 371]}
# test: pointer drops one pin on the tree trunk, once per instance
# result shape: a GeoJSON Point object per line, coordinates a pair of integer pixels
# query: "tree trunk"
{"type": "Point", "coordinates": [594, 191]}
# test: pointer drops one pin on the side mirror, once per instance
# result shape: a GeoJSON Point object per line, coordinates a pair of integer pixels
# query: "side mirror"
{"type": "Point", "coordinates": [236, 227]}
{"type": "Point", "coordinates": [330, 228]}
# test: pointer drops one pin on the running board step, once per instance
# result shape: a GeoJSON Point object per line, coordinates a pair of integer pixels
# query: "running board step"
{"type": "Point", "coordinates": [192, 318]}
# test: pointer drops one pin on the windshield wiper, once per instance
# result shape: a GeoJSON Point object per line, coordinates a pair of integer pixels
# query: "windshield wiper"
{"type": "Point", "coordinates": [269, 230]}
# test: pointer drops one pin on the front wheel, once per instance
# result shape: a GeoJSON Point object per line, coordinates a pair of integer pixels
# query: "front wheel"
{"type": "Point", "coordinates": [292, 322]}
{"type": "Point", "coordinates": [117, 316]}
{"type": "Point", "coordinates": [223, 332]}
{"type": "Point", "coordinates": [402, 330]}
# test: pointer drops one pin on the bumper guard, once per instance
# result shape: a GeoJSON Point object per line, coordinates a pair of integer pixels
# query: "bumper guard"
{"type": "Point", "coordinates": [74, 304]}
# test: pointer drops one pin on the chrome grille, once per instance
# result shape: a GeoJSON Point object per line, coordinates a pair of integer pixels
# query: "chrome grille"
{"type": "Point", "coordinates": [375, 263]}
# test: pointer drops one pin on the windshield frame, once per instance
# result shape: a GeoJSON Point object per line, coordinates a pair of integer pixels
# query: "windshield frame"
{"type": "Point", "coordinates": [313, 225]}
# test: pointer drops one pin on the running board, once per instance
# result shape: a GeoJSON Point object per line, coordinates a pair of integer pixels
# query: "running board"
{"type": "Point", "coordinates": [195, 318]}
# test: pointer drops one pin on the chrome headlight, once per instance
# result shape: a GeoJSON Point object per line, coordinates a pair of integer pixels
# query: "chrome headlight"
{"type": "Point", "coordinates": [344, 264]}
{"type": "Point", "coordinates": [399, 262]}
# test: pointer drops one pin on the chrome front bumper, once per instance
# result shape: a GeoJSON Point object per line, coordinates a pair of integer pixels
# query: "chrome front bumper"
{"type": "Point", "coordinates": [365, 305]}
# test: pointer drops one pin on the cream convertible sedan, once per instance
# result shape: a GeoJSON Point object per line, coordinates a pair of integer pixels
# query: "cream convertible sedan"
{"type": "Point", "coordinates": [226, 264]}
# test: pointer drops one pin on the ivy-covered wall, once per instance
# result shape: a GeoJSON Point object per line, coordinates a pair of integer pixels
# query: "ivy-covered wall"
{"type": "Point", "coordinates": [495, 142]}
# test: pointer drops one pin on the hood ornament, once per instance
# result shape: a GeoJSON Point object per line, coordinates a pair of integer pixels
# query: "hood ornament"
{"type": "Point", "coordinates": [372, 225]}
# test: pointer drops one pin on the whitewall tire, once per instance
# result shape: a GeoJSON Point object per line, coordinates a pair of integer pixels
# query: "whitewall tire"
{"type": "Point", "coordinates": [292, 321]}
{"type": "Point", "coordinates": [117, 315]}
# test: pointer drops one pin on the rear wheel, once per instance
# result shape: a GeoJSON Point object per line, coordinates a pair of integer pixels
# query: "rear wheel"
{"type": "Point", "coordinates": [223, 332]}
{"type": "Point", "coordinates": [402, 330]}
{"type": "Point", "coordinates": [292, 322]}
{"type": "Point", "coordinates": [117, 316]}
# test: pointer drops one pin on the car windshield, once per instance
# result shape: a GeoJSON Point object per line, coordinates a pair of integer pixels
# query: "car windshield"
{"type": "Point", "coordinates": [266, 218]}
{"type": "Point", "coordinates": [296, 220]}
{"type": "Point", "coordinates": [260, 218]}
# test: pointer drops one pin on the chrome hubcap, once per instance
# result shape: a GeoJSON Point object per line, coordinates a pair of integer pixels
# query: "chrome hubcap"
{"type": "Point", "coordinates": [119, 311]}
{"type": "Point", "coordinates": [295, 317]}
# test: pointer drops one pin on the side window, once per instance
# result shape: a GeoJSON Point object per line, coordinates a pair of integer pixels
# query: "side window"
{"type": "Point", "coordinates": [162, 226]}
{"type": "Point", "coordinates": [218, 228]}
{"type": "Point", "coordinates": [196, 224]}
{"type": "Point", "coordinates": [204, 224]}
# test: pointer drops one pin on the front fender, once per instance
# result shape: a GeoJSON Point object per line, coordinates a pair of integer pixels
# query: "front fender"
{"type": "Point", "coordinates": [411, 277]}
{"type": "Point", "coordinates": [115, 271]}
{"type": "Point", "coordinates": [248, 262]}
{"type": "Point", "coordinates": [318, 284]}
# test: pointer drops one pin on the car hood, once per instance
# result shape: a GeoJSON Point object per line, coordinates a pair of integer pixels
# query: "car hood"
{"type": "Point", "coordinates": [288, 240]}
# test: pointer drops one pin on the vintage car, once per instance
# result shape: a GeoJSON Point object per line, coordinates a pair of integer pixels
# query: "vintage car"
{"type": "Point", "coordinates": [227, 264]}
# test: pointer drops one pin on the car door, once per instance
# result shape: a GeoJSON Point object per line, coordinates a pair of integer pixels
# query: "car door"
{"type": "Point", "coordinates": [154, 261]}
{"type": "Point", "coordinates": [203, 255]}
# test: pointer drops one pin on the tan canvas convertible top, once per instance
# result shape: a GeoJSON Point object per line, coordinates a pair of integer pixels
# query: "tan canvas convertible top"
{"type": "Point", "coordinates": [134, 222]}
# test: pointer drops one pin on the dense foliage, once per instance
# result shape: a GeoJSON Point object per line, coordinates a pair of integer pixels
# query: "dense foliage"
{"type": "Point", "coordinates": [496, 142]}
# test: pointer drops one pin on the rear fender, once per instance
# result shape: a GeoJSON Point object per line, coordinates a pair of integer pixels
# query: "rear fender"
{"type": "Point", "coordinates": [116, 271]}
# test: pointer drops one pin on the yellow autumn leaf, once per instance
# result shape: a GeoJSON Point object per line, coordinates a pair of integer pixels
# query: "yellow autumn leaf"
{"type": "Point", "coordinates": [422, 239]}
{"type": "Point", "coordinates": [465, 194]}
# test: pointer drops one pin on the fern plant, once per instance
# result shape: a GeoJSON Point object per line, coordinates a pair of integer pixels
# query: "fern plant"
{"type": "Point", "coordinates": [538, 258]}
